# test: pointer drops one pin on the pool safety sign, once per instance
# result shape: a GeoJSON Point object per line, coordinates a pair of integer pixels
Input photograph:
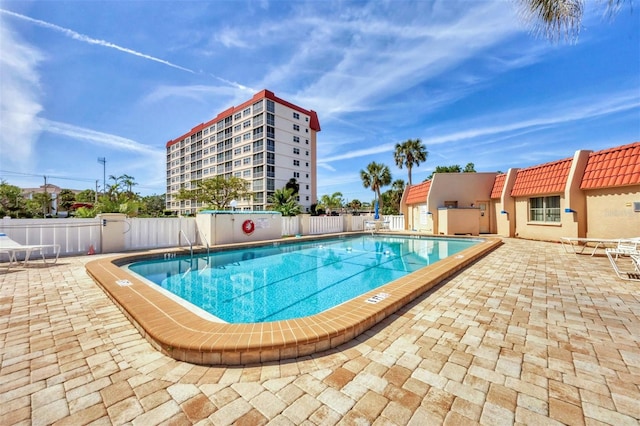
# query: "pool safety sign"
{"type": "Point", "coordinates": [377, 298]}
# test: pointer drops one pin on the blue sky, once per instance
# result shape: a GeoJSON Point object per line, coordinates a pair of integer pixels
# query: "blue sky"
{"type": "Point", "coordinates": [83, 80]}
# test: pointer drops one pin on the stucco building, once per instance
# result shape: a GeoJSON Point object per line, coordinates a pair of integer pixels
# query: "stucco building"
{"type": "Point", "coordinates": [265, 140]}
{"type": "Point", "coordinates": [592, 194]}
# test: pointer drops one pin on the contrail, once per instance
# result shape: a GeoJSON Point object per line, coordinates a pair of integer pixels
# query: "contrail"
{"type": "Point", "coordinates": [87, 39]}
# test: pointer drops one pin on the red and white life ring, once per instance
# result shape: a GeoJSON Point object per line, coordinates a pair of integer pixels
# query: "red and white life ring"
{"type": "Point", "coordinates": [248, 227]}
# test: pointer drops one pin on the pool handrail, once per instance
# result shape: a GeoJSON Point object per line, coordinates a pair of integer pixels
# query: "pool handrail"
{"type": "Point", "coordinates": [183, 234]}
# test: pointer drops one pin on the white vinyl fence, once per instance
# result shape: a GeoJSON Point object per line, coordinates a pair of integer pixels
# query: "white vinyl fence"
{"type": "Point", "coordinates": [148, 233]}
{"type": "Point", "coordinates": [77, 236]}
{"type": "Point", "coordinates": [290, 225]}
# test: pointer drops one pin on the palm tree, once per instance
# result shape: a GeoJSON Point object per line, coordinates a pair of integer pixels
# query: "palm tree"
{"type": "Point", "coordinates": [375, 177]}
{"type": "Point", "coordinates": [331, 202]}
{"type": "Point", "coordinates": [284, 201]}
{"type": "Point", "coordinates": [409, 153]}
{"type": "Point", "coordinates": [129, 182]}
{"type": "Point", "coordinates": [557, 18]}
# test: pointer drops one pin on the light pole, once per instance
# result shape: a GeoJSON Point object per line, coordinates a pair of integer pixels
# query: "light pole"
{"type": "Point", "coordinates": [103, 161]}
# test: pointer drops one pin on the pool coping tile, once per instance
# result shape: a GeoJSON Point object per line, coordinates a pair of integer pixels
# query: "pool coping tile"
{"type": "Point", "coordinates": [185, 336]}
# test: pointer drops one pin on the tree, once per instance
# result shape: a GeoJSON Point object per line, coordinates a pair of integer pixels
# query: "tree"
{"type": "Point", "coordinates": [409, 153]}
{"type": "Point", "coordinates": [355, 205]}
{"type": "Point", "coordinates": [375, 177]}
{"type": "Point", "coordinates": [557, 19]}
{"type": "Point", "coordinates": [331, 202]}
{"type": "Point", "coordinates": [11, 200]}
{"type": "Point", "coordinates": [469, 168]}
{"type": "Point", "coordinates": [66, 198]}
{"type": "Point", "coordinates": [284, 201]}
{"type": "Point", "coordinates": [217, 192]}
{"type": "Point", "coordinates": [153, 205]}
{"type": "Point", "coordinates": [129, 183]}
{"type": "Point", "coordinates": [393, 197]}
{"type": "Point", "coordinates": [293, 185]}
{"type": "Point", "coordinates": [86, 196]}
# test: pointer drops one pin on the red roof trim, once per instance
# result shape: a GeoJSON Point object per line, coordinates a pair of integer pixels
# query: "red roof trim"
{"type": "Point", "coordinates": [417, 194]}
{"type": "Point", "coordinates": [498, 186]}
{"type": "Point", "coordinates": [549, 178]}
{"type": "Point", "coordinates": [619, 166]}
{"type": "Point", "coordinates": [314, 123]}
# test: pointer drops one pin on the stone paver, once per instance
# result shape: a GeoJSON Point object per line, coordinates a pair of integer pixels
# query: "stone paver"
{"type": "Point", "coordinates": [528, 334]}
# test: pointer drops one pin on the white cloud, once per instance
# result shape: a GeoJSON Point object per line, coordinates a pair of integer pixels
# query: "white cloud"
{"type": "Point", "coordinates": [98, 138]}
{"type": "Point", "coordinates": [20, 100]}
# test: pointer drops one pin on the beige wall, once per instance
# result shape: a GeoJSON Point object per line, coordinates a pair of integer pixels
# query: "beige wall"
{"type": "Point", "coordinates": [538, 230]}
{"type": "Point", "coordinates": [610, 212]}
{"type": "Point", "coordinates": [419, 219]}
{"type": "Point", "coordinates": [465, 188]}
{"type": "Point", "coordinates": [227, 228]}
{"type": "Point", "coordinates": [459, 221]}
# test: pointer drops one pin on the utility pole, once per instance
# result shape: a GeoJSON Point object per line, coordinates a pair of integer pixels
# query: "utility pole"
{"type": "Point", "coordinates": [44, 201]}
{"type": "Point", "coordinates": [103, 161]}
{"type": "Point", "coordinates": [96, 202]}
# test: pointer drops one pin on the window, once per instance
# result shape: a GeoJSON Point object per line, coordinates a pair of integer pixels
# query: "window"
{"type": "Point", "coordinates": [296, 162]}
{"type": "Point", "coordinates": [544, 209]}
{"type": "Point", "coordinates": [237, 128]}
{"type": "Point", "coordinates": [237, 116]}
{"type": "Point", "coordinates": [296, 127]}
{"type": "Point", "coordinates": [271, 145]}
{"type": "Point", "coordinates": [246, 148]}
{"type": "Point", "coordinates": [246, 160]}
{"type": "Point", "coordinates": [271, 106]}
{"type": "Point", "coordinates": [296, 151]}
{"type": "Point", "coordinates": [296, 116]}
{"type": "Point", "coordinates": [246, 112]}
{"type": "Point", "coordinates": [296, 139]}
{"type": "Point", "coordinates": [296, 174]}
{"type": "Point", "coordinates": [306, 153]}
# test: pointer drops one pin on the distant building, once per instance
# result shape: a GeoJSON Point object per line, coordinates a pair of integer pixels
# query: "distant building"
{"type": "Point", "coordinates": [265, 140]}
{"type": "Point", "coordinates": [52, 190]}
{"type": "Point", "coordinates": [592, 194]}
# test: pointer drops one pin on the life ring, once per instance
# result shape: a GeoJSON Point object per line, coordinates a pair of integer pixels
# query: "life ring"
{"type": "Point", "coordinates": [248, 227]}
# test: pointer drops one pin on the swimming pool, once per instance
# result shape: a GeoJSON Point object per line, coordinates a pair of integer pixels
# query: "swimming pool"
{"type": "Point", "coordinates": [174, 329]}
{"type": "Point", "coordinates": [286, 281]}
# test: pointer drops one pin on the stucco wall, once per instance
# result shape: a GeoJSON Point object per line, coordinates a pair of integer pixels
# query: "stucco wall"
{"type": "Point", "coordinates": [548, 231]}
{"type": "Point", "coordinates": [459, 221]}
{"type": "Point", "coordinates": [610, 212]}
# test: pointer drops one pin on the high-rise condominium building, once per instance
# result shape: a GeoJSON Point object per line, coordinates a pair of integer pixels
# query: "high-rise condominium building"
{"type": "Point", "coordinates": [266, 141]}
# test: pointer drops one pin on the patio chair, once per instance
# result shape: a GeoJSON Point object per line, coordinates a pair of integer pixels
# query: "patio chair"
{"type": "Point", "coordinates": [11, 247]}
{"type": "Point", "coordinates": [626, 250]}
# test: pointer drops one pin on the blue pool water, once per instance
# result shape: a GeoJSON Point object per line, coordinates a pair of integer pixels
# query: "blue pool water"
{"type": "Point", "coordinates": [287, 281]}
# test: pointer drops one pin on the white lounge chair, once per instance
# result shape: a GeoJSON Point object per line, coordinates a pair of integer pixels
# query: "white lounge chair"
{"type": "Point", "coordinates": [627, 250]}
{"type": "Point", "coordinates": [578, 245]}
{"type": "Point", "coordinates": [11, 247]}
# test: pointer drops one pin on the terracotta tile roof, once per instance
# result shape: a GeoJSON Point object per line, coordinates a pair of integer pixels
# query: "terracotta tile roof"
{"type": "Point", "coordinates": [617, 166]}
{"type": "Point", "coordinates": [546, 178]}
{"type": "Point", "coordinates": [418, 193]}
{"type": "Point", "coordinates": [498, 185]}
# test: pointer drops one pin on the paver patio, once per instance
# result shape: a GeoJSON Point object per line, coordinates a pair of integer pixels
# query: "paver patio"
{"type": "Point", "coordinates": [529, 334]}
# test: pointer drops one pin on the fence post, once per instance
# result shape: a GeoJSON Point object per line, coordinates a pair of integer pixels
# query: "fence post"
{"type": "Point", "coordinates": [347, 223]}
{"type": "Point", "coordinates": [112, 232]}
{"type": "Point", "coordinates": [305, 224]}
